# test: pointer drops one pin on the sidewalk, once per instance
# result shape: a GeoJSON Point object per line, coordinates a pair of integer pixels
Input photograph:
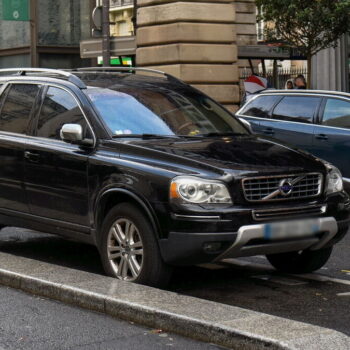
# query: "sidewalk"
{"type": "Point", "coordinates": [199, 319]}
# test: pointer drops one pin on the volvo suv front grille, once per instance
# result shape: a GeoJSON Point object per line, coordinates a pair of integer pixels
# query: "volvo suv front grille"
{"type": "Point", "coordinates": [282, 187]}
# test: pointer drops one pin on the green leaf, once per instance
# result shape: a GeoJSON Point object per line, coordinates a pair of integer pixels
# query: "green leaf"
{"type": "Point", "coordinates": [310, 25]}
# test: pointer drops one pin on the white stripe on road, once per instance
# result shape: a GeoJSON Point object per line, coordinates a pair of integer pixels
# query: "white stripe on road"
{"type": "Point", "coordinates": [308, 276]}
{"type": "Point", "coordinates": [343, 294]}
{"type": "Point", "coordinates": [322, 278]}
{"type": "Point", "coordinates": [285, 281]}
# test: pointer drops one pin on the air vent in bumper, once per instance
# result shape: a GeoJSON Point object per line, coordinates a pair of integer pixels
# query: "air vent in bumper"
{"type": "Point", "coordinates": [286, 213]}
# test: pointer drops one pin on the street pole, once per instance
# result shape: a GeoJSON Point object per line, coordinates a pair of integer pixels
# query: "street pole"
{"type": "Point", "coordinates": [34, 59]}
{"type": "Point", "coordinates": [275, 75]}
{"type": "Point", "coordinates": [106, 45]}
{"type": "Point", "coordinates": [134, 20]}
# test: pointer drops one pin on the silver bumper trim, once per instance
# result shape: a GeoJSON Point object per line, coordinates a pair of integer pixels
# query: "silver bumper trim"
{"type": "Point", "coordinates": [328, 225]}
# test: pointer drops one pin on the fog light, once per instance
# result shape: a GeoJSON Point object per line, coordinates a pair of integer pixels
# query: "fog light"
{"type": "Point", "coordinates": [212, 247]}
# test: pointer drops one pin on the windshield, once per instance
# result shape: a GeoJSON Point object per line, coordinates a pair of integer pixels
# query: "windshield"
{"type": "Point", "coordinates": [152, 110]}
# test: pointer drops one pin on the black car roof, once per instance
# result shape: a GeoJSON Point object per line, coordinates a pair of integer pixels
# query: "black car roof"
{"type": "Point", "coordinates": [95, 76]}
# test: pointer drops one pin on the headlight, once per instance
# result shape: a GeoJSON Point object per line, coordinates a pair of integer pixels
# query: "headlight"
{"type": "Point", "coordinates": [195, 190]}
{"type": "Point", "coordinates": [335, 179]}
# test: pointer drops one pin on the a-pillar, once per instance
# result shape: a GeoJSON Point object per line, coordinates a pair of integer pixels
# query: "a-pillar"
{"type": "Point", "coordinates": [193, 40]}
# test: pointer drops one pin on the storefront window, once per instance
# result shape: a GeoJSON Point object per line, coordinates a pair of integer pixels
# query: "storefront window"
{"type": "Point", "coordinates": [15, 61]}
{"type": "Point", "coordinates": [58, 61]}
{"type": "Point", "coordinates": [64, 22]}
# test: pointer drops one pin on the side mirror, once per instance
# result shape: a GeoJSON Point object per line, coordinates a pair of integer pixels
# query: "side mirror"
{"type": "Point", "coordinates": [247, 124]}
{"type": "Point", "coordinates": [72, 133]}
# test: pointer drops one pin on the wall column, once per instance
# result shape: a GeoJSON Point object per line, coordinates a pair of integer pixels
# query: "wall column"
{"type": "Point", "coordinates": [193, 40]}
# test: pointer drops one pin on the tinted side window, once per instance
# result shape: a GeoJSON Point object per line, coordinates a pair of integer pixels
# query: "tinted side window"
{"type": "Point", "coordinates": [59, 108]}
{"type": "Point", "coordinates": [337, 113]}
{"type": "Point", "coordinates": [260, 107]}
{"type": "Point", "coordinates": [297, 109]}
{"type": "Point", "coordinates": [17, 108]}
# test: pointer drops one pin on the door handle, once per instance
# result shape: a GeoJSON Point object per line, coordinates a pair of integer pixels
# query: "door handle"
{"type": "Point", "coordinates": [31, 156]}
{"type": "Point", "coordinates": [322, 137]}
{"type": "Point", "coordinates": [268, 131]}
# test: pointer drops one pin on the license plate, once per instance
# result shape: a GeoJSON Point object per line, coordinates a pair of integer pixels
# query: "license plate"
{"type": "Point", "coordinates": [291, 229]}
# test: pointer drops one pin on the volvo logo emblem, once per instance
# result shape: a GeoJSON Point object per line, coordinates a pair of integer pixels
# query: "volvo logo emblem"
{"type": "Point", "coordinates": [285, 187]}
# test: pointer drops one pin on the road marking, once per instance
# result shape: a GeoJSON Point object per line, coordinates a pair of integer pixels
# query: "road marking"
{"type": "Point", "coordinates": [285, 281]}
{"type": "Point", "coordinates": [343, 294]}
{"type": "Point", "coordinates": [308, 276]}
{"type": "Point", "coordinates": [322, 278]}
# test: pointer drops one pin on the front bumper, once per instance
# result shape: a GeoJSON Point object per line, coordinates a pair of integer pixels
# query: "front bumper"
{"type": "Point", "coordinates": [182, 248]}
{"type": "Point", "coordinates": [328, 228]}
{"type": "Point", "coordinates": [193, 237]}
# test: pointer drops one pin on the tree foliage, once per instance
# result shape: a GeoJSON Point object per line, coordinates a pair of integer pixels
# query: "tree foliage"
{"type": "Point", "coordinates": [310, 25]}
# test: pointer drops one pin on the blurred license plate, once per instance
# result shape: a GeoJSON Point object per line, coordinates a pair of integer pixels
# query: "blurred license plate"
{"type": "Point", "coordinates": [291, 229]}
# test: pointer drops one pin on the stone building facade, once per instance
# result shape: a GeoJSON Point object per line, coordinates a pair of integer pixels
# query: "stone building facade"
{"type": "Point", "coordinates": [197, 41]}
{"type": "Point", "coordinates": [331, 67]}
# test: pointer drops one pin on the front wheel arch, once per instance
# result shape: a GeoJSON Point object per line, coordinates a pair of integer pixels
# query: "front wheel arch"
{"type": "Point", "coordinates": [110, 198]}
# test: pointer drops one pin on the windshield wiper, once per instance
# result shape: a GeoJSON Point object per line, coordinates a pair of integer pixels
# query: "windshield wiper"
{"type": "Point", "coordinates": [220, 134]}
{"type": "Point", "coordinates": [143, 136]}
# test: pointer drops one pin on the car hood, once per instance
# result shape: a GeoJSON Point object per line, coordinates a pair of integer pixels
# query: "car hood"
{"type": "Point", "coordinates": [224, 154]}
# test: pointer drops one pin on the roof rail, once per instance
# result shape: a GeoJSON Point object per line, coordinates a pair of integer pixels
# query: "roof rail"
{"type": "Point", "coordinates": [127, 69]}
{"type": "Point", "coordinates": [23, 71]}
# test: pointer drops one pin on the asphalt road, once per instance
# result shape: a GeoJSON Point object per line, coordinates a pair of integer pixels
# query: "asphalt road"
{"type": "Point", "coordinates": [248, 282]}
{"type": "Point", "coordinates": [33, 323]}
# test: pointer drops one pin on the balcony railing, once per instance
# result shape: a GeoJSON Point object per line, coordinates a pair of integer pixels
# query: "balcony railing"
{"type": "Point", "coordinates": [121, 3]}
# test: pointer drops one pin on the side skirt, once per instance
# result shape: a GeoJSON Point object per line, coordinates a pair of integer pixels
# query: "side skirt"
{"type": "Point", "coordinates": [37, 223]}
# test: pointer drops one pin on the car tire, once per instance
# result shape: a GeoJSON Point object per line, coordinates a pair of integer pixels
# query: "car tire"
{"type": "Point", "coordinates": [129, 249]}
{"type": "Point", "coordinates": [305, 261]}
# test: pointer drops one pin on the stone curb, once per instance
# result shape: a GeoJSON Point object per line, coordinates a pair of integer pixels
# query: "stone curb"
{"type": "Point", "coordinates": [203, 320]}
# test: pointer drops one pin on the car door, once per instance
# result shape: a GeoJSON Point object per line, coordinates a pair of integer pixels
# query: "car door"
{"type": "Point", "coordinates": [17, 104]}
{"type": "Point", "coordinates": [56, 173]}
{"type": "Point", "coordinates": [332, 134]}
{"type": "Point", "coordinates": [293, 120]}
{"type": "Point", "coordinates": [257, 110]}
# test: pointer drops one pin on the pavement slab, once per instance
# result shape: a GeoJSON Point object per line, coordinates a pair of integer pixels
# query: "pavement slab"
{"type": "Point", "coordinates": [200, 319]}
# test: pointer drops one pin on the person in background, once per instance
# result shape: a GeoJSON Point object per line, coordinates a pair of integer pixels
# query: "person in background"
{"type": "Point", "coordinates": [300, 82]}
{"type": "Point", "coordinates": [289, 84]}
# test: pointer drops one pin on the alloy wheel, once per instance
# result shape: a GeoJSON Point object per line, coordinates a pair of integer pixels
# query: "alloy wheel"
{"type": "Point", "coordinates": [125, 249]}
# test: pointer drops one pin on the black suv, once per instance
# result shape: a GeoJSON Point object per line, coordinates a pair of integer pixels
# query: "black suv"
{"type": "Point", "coordinates": [156, 174]}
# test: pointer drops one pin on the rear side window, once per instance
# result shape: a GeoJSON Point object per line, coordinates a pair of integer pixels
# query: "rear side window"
{"type": "Point", "coordinates": [17, 107]}
{"type": "Point", "coordinates": [297, 109]}
{"type": "Point", "coordinates": [59, 108]}
{"type": "Point", "coordinates": [337, 113]}
{"type": "Point", "coordinates": [260, 107]}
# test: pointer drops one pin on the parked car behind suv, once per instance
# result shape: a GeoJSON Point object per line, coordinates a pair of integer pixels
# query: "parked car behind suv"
{"type": "Point", "coordinates": [315, 121]}
{"type": "Point", "coordinates": [156, 174]}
